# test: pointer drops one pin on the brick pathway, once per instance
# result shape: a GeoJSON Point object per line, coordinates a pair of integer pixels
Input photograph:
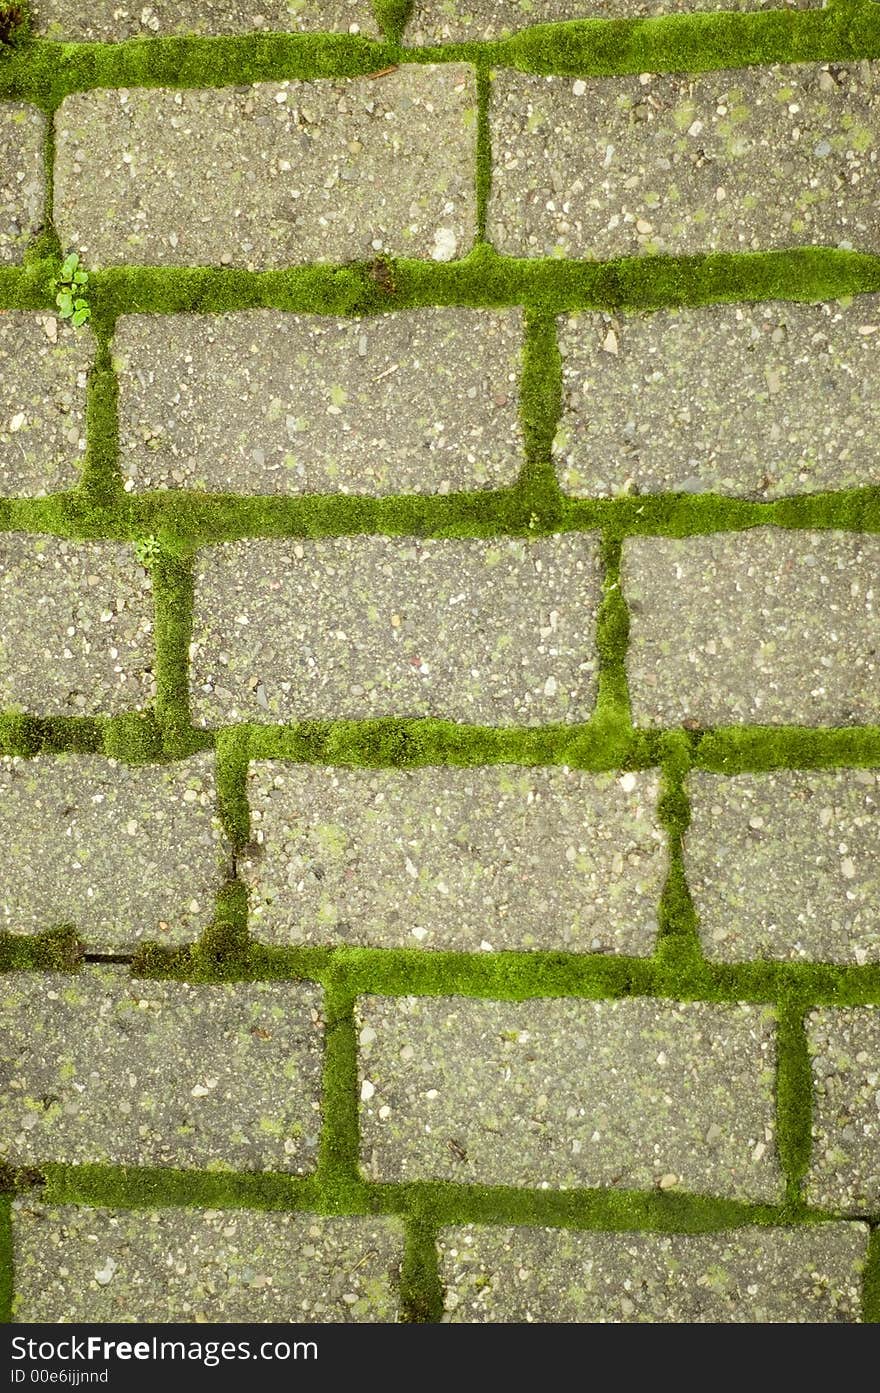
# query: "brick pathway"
{"type": "Point", "coordinates": [439, 679]}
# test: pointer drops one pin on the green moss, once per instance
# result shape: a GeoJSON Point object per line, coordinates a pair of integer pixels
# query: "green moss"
{"type": "Point", "coordinates": [392, 17]}
{"type": "Point", "coordinates": [794, 1094]}
{"type": "Point", "coordinates": [421, 1293]}
{"type": "Point", "coordinates": [56, 949]}
{"type": "Point", "coordinates": [871, 1280]}
{"type": "Point", "coordinates": [7, 1276]}
{"type": "Point", "coordinates": [15, 24]}
{"type": "Point", "coordinates": [134, 738]}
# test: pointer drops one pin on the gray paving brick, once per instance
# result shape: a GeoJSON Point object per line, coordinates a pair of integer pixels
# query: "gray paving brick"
{"type": "Point", "coordinates": [769, 625]}
{"type": "Point", "coordinates": [502, 858]}
{"type": "Point", "coordinates": [493, 632]}
{"type": "Point", "coordinates": [748, 1275]}
{"type": "Point", "coordinates": [759, 401]}
{"type": "Point", "coordinates": [267, 402]}
{"type": "Point", "coordinates": [845, 1047]}
{"type": "Point", "coordinates": [634, 1093]}
{"type": "Point", "coordinates": [22, 177]}
{"type": "Point", "coordinates": [104, 1067]}
{"type": "Point", "coordinates": [736, 160]}
{"type": "Point", "coordinates": [107, 20]}
{"type": "Point", "coordinates": [43, 367]}
{"type": "Point", "coordinates": [457, 21]}
{"type": "Point", "coordinates": [124, 853]}
{"type": "Point", "coordinates": [786, 864]}
{"type": "Point", "coordinates": [76, 622]}
{"type": "Point", "coordinates": [273, 174]}
{"type": "Point", "coordinates": [158, 1265]}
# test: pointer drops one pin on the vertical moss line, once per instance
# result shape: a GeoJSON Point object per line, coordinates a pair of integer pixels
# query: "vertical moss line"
{"type": "Point", "coordinates": [233, 754]}
{"type": "Point", "coordinates": [421, 1292]}
{"type": "Point", "coordinates": [6, 1259]}
{"type": "Point", "coordinates": [484, 148]}
{"type": "Point", "coordinates": [613, 711]}
{"type": "Point", "coordinates": [173, 589]}
{"type": "Point", "coordinates": [871, 1280]}
{"type": "Point", "coordinates": [392, 17]}
{"type": "Point", "coordinates": [677, 915]}
{"type": "Point", "coordinates": [794, 1097]}
{"type": "Point", "coordinates": [100, 479]}
{"type": "Point", "coordinates": [340, 1133]}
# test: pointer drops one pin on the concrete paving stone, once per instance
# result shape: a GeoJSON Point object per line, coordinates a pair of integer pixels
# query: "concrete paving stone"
{"type": "Point", "coordinates": [108, 21]}
{"type": "Point", "coordinates": [76, 624]}
{"type": "Point", "coordinates": [103, 1067]}
{"type": "Point", "coordinates": [633, 1093]}
{"type": "Point", "coordinates": [845, 1047]}
{"type": "Point", "coordinates": [493, 632]}
{"type": "Point", "coordinates": [747, 1275]}
{"type": "Point", "coordinates": [163, 1265]}
{"type": "Point", "coordinates": [737, 160]}
{"type": "Point", "coordinates": [460, 21]}
{"type": "Point", "coordinates": [757, 401]}
{"type": "Point", "coordinates": [22, 177]}
{"type": "Point", "coordinates": [270, 175]}
{"type": "Point", "coordinates": [768, 625]}
{"type": "Point", "coordinates": [125, 853]}
{"type": "Point", "coordinates": [43, 368]}
{"type": "Point", "coordinates": [422, 401]}
{"type": "Point", "coordinates": [786, 864]}
{"type": "Point", "coordinates": [500, 858]}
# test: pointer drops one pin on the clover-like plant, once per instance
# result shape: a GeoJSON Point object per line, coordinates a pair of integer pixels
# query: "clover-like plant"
{"type": "Point", "coordinates": [148, 550]}
{"type": "Point", "coordinates": [70, 287]}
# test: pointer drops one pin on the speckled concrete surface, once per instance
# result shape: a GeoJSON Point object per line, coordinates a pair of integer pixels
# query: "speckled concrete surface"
{"type": "Point", "coordinates": [96, 1265]}
{"type": "Point", "coordinates": [263, 402]}
{"type": "Point", "coordinates": [22, 178]}
{"type": "Point", "coordinates": [108, 21]}
{"type": "Point", "coordinates": [43, 369]}
{"type": "Point", "coordinates": [758, 401]}
{"type": "Point", "coordinates": [739, 160]}
{"type": "Point", "coordinates": [270, 175]}
{"type": "Point", "coordinates": [123, 853]}
{"type": "Point", "coordinates": [770, 626]}
{"type": "Point", "coordinates": [76, 626]}
{"type": "Point", "coordinates": [457, 21]}
{"type": "Point", "coordinates": [636, 1094]}
{"type": "Point", "coordinates": [103, 1067]}
{"type": "Point", "coordinates": [473, 859]}
{"type": "Point", "coordinates": [786, 864]}
{"type": "Point", "coordinates": [748, 1275]}
{"type": "Point", "coordinates": [845, 1047]}
{"type": "Point", "coordinates": [491, 632]}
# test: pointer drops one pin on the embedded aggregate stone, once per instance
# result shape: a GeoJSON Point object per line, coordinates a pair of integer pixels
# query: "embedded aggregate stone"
{"type": "Point", "coordinates": [76, 623]}
{"type": "Point", "coordinates": [493, 632]}
{"type": "Point", "coordinates": [273, 174]}
{"type": "Point", "coordinates": [786, 864]}
{"type": "Point", "coordinates": [43, 369]}
{"type": "Point", "coordinates": [469, 859]}
{"type": "Point", "coordinates": [267, 402]}
{"type": "Point", "coordinates": [74, 1264]}
{"type": "Point", "coordinates": [125, 853]}
{"type": "Point", "coordinates": [769, 625]}
{"type": "Point", "coordinates": [845, 1048]}
{"type": "Point", "coordinates": [737, 160]}
{"type": "Point", "coordinates": [759, 401]}
{"type": "Point", "coordinates": [22, 177]}
{"type": "Point", "coordinates": [633, 1093]}
{"type": "Point", "coordinates": [460, 21]}
{"type": "Point", "coordinates": [746, 1275]}
{"type": "Point", "coordinates": [107, 1068]}
{"type": "Point", "coordinates": [107, 21]}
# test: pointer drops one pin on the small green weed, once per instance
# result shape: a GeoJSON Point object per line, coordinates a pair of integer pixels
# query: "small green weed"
{"type": "Point", "coordinates": [70, 286]}
{"type": "Point", "coordinates": [148, 550]}
{"type": "Point", "coordinates": [14, 22]}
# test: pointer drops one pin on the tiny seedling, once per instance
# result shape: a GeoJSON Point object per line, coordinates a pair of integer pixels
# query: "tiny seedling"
{"type": "Point", "coordinates": [70, 286]}
{"type": "Point", "coordinates": [148, 549]}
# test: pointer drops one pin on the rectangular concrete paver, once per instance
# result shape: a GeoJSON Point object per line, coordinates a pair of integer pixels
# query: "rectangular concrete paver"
{"type": "Point", "coordinates": [786, 864]}
{"type": "Point", "coordinates": [460, 21]}
{"type": "Point", "coordinates": [771, 625]}
{"type": "Point", "coordinates": [272, 174]}
{"type": "Point", "coordinates": [471, 859]}
{"type": "Point", "coordinates": [123, 853]}
{"type": "Point", "coordinates": [758, 401]}
{"type": "Point", "coordinates": [635, 1093]}
{"type": "Point", "coordinates": [109, 21]}
{"type": "Point", "coordinates": [103, 1067]}
{"type": "Point", "coordinates": [737, 160]}
{"type": "Point", "coordinates": [22, 177]}
{"type": "Point", "coordinates": [494, 632]}
{"type": "Point", "coordinates": [76, 622]}
{"type": "Point", "coordinates": [747, 1275]}
{"type": "Point", "coordinates": [845, 1048]}
{"type": "Point", "coordinates": [43, 371]}
{"type": "Point", "coordinates": [263, 402]}
{"type": "Point", "coordinates": [158, 1265]}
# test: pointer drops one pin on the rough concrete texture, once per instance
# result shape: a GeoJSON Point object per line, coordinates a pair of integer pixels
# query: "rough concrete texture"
{"type": "Point", "coordinates": [272, 174]}
{"type": "Point", "coordinates": [470, 859]}
{"type": "Point", "coordinates": [124, 853]}
{"type": "Point", "coordinates": [76, 622]}
{"type": "Point", "coordinates": [22, 177]}
{"type": "Point", "coordinates": [845, 1046]}
{"type": "Point", "coordinates": [108, 1068]}
{"type": "Point", "coordinates": [458, 21]}
{"type": "Point", "coordinates": [423, 401]}
{"type": "Point", "coordinates": [202, 1265]}
{"type": "Point", "coordinates": [759, 401]}
{"type": "Point", "coordinates": [43, 368]}
{"type": "Point", "coordinates": [786, 864]}
{"type": "Point", "coordinates": [635, 1093]}
{"type": "Point", "coordinates": [493, 632]}
{"type": "Point", "coordinates": [108, 21]}
{"type": "Point", "coordinates": [768, 625]}
{"type": "Point", "coordinates": [748, 1275]}
{"type": "Point", "coordinates": [738, 160]}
